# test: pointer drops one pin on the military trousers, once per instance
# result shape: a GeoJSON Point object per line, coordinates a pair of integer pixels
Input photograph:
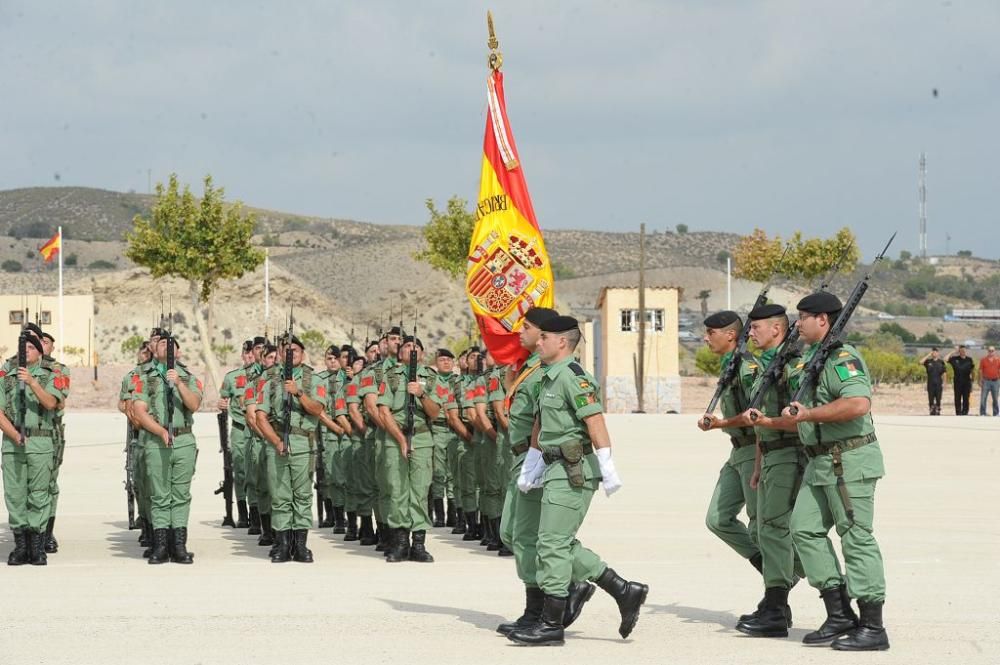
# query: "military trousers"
{"type": "Point", "coordinates": [250, 471]}
{"type": "Point", "coordinates": [169, 471]}
{"type": "Point", "coordinates": [257, 474]}
{"type": "Point", "coordinates": [780, 480]}
{"type": "Point", "coordinates": [58, 449]}
{"type": "Point", "coordinates": [381, 481]}
{"type": "Point", "coordinates": [363, 476]}
{"type": "Point", "coordinates": [335, 450]}
{"type": "Point", "coordinates": [408, 482]}
{"type": "Point", "coordinates": [493, 477]}
{"type": "Point", "coordinates": [467, 475]}
{"type": "Point", "coordinates": [140, 480]}
{"type": "Point", "coordinates": [731, 495]}
{"type": "Point", "coordinates": [819, 508]}
{"type": "Point", "coordinates": [441, 482]}
{"type": "Point", "coordinates": [353, 444]}
{"type": "Point", "coordinates": [26, 478]}
{"type": "Point", "coordinates": [290, 482]}
{"type": "Point", "coordinates": [239, 446]}
{"type": "Point", "coordinates": [519, 525]}
{"type": "Point", "coordinates": [561, 558]}
{"type": "Point", "coordinates": [456, 453]}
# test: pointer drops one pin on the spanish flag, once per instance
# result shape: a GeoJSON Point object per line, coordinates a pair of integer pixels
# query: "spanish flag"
{"type": "Point", "coordinates": [52, 247]}
{"type": "Point", "coordinates": [508, 271]}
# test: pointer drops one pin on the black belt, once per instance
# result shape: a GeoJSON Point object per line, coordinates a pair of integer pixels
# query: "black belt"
{"type": "Point", "coordinates": [550, 455]}
{"type": "Point", "coordinates": [742, 441]}
{"type": "Point", "coordinates": [181, 430]}
{"type": "Point", "coordinates": [778, 444]}
{"type": "Point", "coordinates": [831, 447]}
{"type": "Point", "coordinates": [520, 448]}
{"type": "Point", "coordinates": [239, 426]}
{"type": "Point", "coordinates": [38, 431]}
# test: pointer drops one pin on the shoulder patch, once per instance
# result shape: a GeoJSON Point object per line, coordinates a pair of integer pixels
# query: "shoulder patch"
{"type": "Point", "coordinates": [367, 381]}
{"type": "Point", "coordinates": [585, 384]}
{"type": "Point", "coordinates": [321, 390]}
{"type": "Point", "coordinates": [849, 369]}
{"type": "Point", "coordinates": [241, 381]}
{"type": "Point", "coordinates": [340, 404]}
{"type": "Point", "coordinates": [352, 390]}
{"type": "Point", "coordinates": [381, 388]}
{"type": "Point", "coordinates": [201, 386]}
{"type": "Point", "coordinates": [494, 384]}
{"type": "Point", "coordinates": [844, 354]}
{"type": "Point", "coordinates": [579, 371]}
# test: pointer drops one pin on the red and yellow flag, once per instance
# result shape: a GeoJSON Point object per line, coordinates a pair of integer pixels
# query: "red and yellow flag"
{"type": "Point", "coordinates": [508, 271]}
{"type": "Point", "coordinates": [52, 247]}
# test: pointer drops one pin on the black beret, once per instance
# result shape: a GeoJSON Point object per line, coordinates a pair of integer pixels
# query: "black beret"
{"type": "Point", "coordinates": [420, 345]}
{"type": "Point", "coordinates": [347, 348]}
{"type": "Point", "coordinates": [297, 342]}
{"type": "Point", "coordinates": [394, 331]}
{"type": "Point", "coordinates": [536, 315]}
{"type": "Point", "coordinates": [34, 328]}
{"type": "Point", "coordinates": [722, 319]}
{"type": "Point", "coordinates": [445, 353]}
{"type": "Point", "coordinates": [270, 348]}
{"type": "Point", "coordinates": [259, 341]}
{"type": "Point", "coordinates": [766, 312]}
{"type": "Point", "coordinates": [32, 339]}
{"type": "Point", "coordinates": [48, 336]}
{"type": "Point", "coordinates": [820, 302]}
{"type": "Point", "coordinates": [372, 343]}
{"type": "Point", "coordinates": [333, 350]}
{"type": "Point", "coordinates": [560, 324]}
{"type": "Point", "coordinates": [472, 349]}
{"type": "Point", "coordinates": [407, 339]}
{"type": "Point", "coordinates": [248, 346]}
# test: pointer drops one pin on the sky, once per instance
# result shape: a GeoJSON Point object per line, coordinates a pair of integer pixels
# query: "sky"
{"type": "Point", "coordinates": [721, 115]}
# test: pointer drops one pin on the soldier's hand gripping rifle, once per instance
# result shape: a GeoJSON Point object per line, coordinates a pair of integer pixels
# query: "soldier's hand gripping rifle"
{"type": "Point", "coordinates": [130, 434]}
{"type": "Point", "coordinates": [22, 389]}
{"type": "Point", "coordinates": [225, 487]}
{"type": "Point", "coordinates": [789, 348]}
{"type": "Point", "coordinates": [170, 390]}
{"type": "Point", "coordinates": [812, 370]}
{"type": "Point", "coordinates": [286, 416]}
{"type": "Point", "coordinates": [728, 374]}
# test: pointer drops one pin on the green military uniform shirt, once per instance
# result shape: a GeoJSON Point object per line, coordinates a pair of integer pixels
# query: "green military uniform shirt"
{"type": "Point", "coordinates": [734, 401]}
{"type": "Point", "coordinates": [234, 387]}
{"type": "Point", "coordinates": [392, 394]}
{"type": "Point", "coordinates": [151, 389]}
{"type": "Point", "coordinates": [35, 416]}
{"type": "Point", "coordinates": [566, 394]}
{"type": "Point", "coordinates": [775, 399]}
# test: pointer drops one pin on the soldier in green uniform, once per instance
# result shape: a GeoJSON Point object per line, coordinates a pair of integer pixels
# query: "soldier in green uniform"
{"type": "Point", "coordinates": [363, 433]}
{"type": "Point", "coordinates": [335, 430]}
{"type": "Point", "coordinates": [732, 491]}
{"type": "Point", "coordinates": [61, 379]}
{"type": "Point", "coordinates": [835, 425]}
{"type": "Point", "coordinates": [388, 351]}
{"type": "Point", "coordinates": [468, 472]}
{"type": "Point", "coordinates": [290, 468]}
{"type": "Point", "coordinates": [27, 450]}
{"type": "Point", "coordinates": [138, 468]}
{"type": "Point", "coordinates": [462, 435]}
{"type": "Point", "coordinates": [234, 387]}
{"type": "Point", "coordinates": [408, 462]}
{"type": "Point", "coordinates": [258, 495]}
{"type": "Point", "coordinates": [169, 456]}
{"type": "Point", "coordinates": [777, 477]}
{"type": "Point", "coordinates": [570, 455]}
{"type": "Point", "coordinates": [444, 441]}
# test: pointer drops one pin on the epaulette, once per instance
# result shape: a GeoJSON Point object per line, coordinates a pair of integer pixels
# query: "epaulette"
{"type": "Point", "coordinates": [579, 371]}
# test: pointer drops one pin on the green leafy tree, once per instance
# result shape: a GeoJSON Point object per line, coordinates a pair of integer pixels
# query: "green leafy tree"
{"type": "Point", "coordinates": [448, 236]}
{"type": "Point", "coordinates": [703, 296]}
{"type": "Point", "coordinates": [131, 345]}
{"type": "Point", "coordinates": [202, 241]}
{"type": "Point", "coordinates": [707, 362]}
{"type": "Point", "coordinates": [899, 331]}
{"type": "Point", "coordinates": [757, 256]}
{"type": "Point", "coordinates": [682, 228]}
{"type": "Point", "coordinates": [316, 344]}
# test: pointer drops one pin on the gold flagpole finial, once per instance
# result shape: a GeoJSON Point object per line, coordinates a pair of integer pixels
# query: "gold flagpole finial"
{"type": "Point", "coordinates": [496, 58]}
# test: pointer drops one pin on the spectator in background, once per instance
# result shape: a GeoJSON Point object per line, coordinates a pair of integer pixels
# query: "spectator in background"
{"type": "Point", "coordinates": [962, 364]}
{"type": "Point", "coordinates": [936, 369]}
{"type": "Point", "coordinates": [989, 380]}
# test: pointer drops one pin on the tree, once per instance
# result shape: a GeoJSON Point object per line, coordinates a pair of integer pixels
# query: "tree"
{"type": "Point", "coordinates": [11, 265]}
{"type": "Point", "coordinates": [703, 296]}
{"type": "Point", "coordinates": [448, 236]}
{"type": "Point", "coordinates": [723, 256]}
{"type": "Point", "coordinates": [905, 255]}
{"type": "Point", "coordinates": [899, 331]}
{"type": "Point", "coordinates": [757, 256]}
{"type": "Point", "coordinates": [203, 242]}
{"type": "Point", "coordinates": [682, 228]}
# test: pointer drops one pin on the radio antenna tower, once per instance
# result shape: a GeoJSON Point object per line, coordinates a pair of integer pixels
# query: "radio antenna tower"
{"type": "Point", "coordinates": [922, 192]}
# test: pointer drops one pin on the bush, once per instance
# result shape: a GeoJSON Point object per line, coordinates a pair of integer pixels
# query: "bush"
{"type": "Point", "coordinates": [131, 345]}
{"type": "Point", "coordinates": [889, 367]}
{"type": "Point", "coordinates": [930, 338]}
{"type": "Point", "coordinates": [899, 331]}
{"type": "Point", "coordinates": [314, 341]}
{"type": "Point", "coordinates": [966, 253]}
{"type": "Point", "coordinates": [682, 228]}
{"type": "Point", "coordinates": [70, 260]}
{"type": "Point", "coordinates": [560, 271]}
{"type": "Point", "coordinates": [722, 256]}
{"type": "Point", "coordinates": [11, 266]}
{"type": "Point", "coordinates": [101, 264]}
{"type": "Point", "coordinates": [707, 362]}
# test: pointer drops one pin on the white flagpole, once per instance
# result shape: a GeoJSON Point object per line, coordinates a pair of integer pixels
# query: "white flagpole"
{"type": "Point", "coordinates": [61, 326]}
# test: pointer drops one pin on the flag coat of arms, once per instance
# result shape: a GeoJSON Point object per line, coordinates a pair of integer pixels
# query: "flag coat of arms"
{"type": "Point", "coordinates": [508, 270]}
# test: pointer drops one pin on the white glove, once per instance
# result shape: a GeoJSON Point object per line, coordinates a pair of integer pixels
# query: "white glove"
{"type": "Point", "coordinates": [531, 471]}
{"type": "Point", "coordinates": [609, 475]}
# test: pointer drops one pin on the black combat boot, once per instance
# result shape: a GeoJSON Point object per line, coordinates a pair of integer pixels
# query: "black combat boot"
{"type": "Point", "coordinates": [266, 532]}
{"type": "Point", "coordinates": [629, 595]}
{"type": "Point", "coordinates": [485, 530]}
{"type": "Point", "coordinates": [757, 561]}
{"type": "Point", "coordinates": [178, 549]}
{"type": "Point", "coordinates": [147, 526]}
{"type": "Point", "coordinates": [459, 522]}
{"type": "Point", "coordinates": [450, 514]}
{"type": "Point", "coordinates": [471, 526]}
{"type": "Point", "coordinates": [255, 527]}
{"type": "Point", "coordinates": [418, 551]}
{"type": "Point", "coordinates": [383, 537]}
{"type": "Point", "coordinates": [548, 632]}
{"type": "Point", "coordinates": [300, 552]}
{"type": "Point", "coordinates": [351, 532]}
{"type": "Point", "coordinates": [19, 555]}
{"type": "Point", "coordinates": [36, 546]}
{"type": "Point", "coordinates": [282, 550]}
{"type": "Point", "coordinates": [367, 532]}
{"type": "Point", "coordinates": [161, 547]}
{"type": "Point", "coordinates": [494, 545]}
{"type": "Point", "coordinates": [579, 594]}
{"type": "Point", "coordinates": [327, 514]}
{"type": "Point", "coordinates": [504, 550]}
{"type": "Point", "coordinates": [145, 531]}
{"type": "Point", "coordinates": [770, 620]}
{"type": "Point", "coordinates": [870, 635]}
{"type": "Point", "coordinates": [840, 618]}
{"type": "Point", "coordinates": [339, 521]}
{"type": "Point", "coordinates": [51, 544]}
{"type": "Point", "coordinates": [242, 521]}
{"type": "Point", "coordinates": [533, 601]}
{"type": "Point", "coordinates": [401, 546]}
{"type": "Point", "coordinates": [438, 513]}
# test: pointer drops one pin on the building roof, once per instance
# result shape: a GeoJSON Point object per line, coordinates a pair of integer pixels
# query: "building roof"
{"type": "Point", "coordinates": [635, 287]}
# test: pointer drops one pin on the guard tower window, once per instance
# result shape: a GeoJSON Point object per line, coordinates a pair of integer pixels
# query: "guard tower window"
{"type": "Point", "coordinates": [630, 320]}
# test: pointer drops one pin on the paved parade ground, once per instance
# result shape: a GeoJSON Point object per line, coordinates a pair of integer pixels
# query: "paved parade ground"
{"type": "Point", "coordinates": [99, 602]}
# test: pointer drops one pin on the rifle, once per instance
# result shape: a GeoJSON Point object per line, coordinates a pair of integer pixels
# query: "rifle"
{"type": "Point", "coordinates": [170, 390]}
{"type": "Point", "coordinates": [225, 487]}
{"type": "Point", "coordinates": [772, 374]}
{"type": "Point", "coordinates": [812, 370]}
{"type": "Point", "coordinates": [287, 376]}
{"type": "Point", "coordinates": [320, 473]}
{"type": "Point", "coordinates": [732, 367]}
{"type": "Point", "coordinates": [22, 389]}
{"type": "Point", "coordinates": [411, 400]}
{"type": "Point", "coordinates": [130, 434]}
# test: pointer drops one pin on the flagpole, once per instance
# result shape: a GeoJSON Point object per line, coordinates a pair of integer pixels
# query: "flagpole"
{"type": "Point", "coordinates": [61, 326]}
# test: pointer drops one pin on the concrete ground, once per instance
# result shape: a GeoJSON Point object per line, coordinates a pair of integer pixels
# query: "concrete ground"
{"type": "Point", "coordinates": [99, 602]}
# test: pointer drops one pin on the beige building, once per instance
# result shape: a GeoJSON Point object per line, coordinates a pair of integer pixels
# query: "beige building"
{"type": "Point", "coordinates": [616, 344]}
{"type": "Point", "coordinates": [77, 349]}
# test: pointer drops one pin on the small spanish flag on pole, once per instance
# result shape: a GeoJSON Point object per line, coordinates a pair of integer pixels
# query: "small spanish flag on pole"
{"type": "Point", "coordinates": [508, 270]}
{"type": "Point", "coordinates": [52, 247]}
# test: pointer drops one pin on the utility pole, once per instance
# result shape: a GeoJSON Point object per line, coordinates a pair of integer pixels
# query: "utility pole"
{"type": "Point", "coordinates": [640, 362]}
{"type": "Point", "coordinates": [922, 193]}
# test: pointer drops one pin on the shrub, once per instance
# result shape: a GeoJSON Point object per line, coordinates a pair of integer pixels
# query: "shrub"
{"type": "Point", "coordinates": [707, 362]}
{"type": "Point", "coordinates": [11, 266]}
{"type": "Point", "coordinates": [131, 345]}
{"type": "Point", "coordinates": [101, 264]}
